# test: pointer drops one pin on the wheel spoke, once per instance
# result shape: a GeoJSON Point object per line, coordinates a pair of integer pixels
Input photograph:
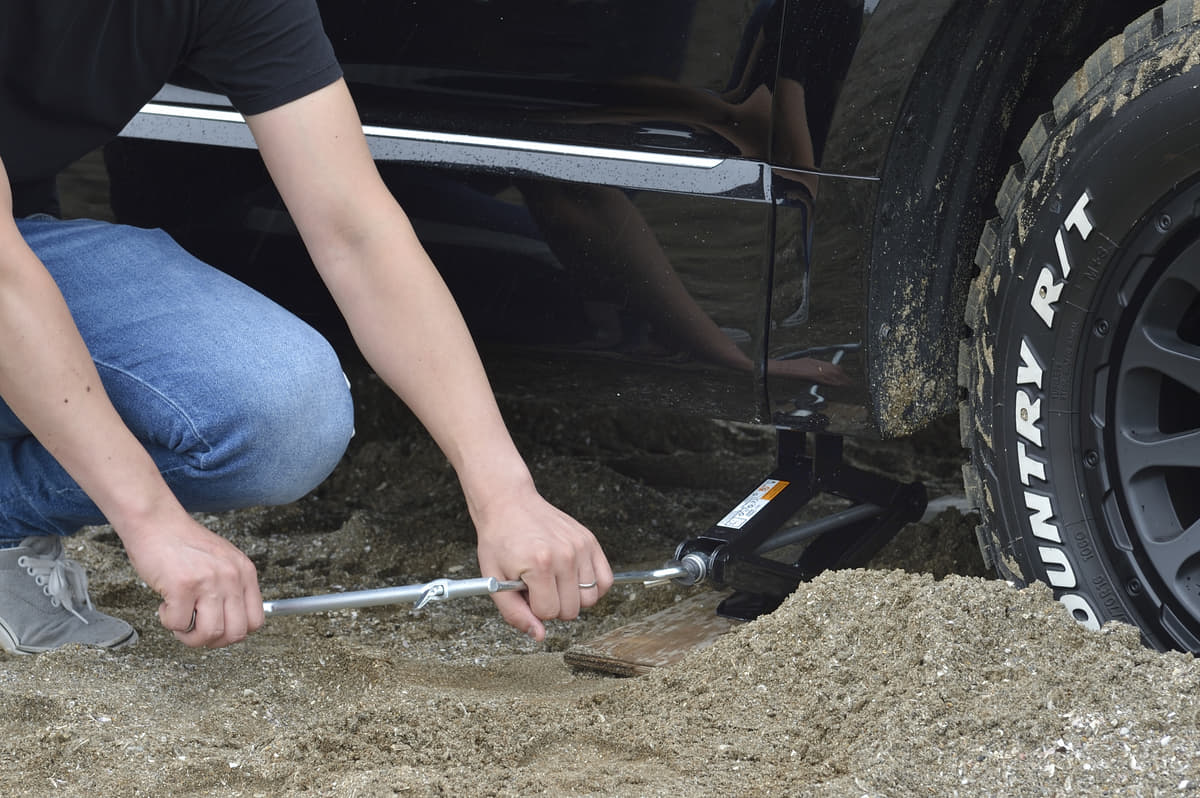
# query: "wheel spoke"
{"type": "Point", "coordinates": [1187, 268]}
{"type": "Point", "coordinates": [1169, 556]}
{"type": "Point", "coordinates": [1138, 453]}
{"type": "Point", "coordinates": [1167, 354]}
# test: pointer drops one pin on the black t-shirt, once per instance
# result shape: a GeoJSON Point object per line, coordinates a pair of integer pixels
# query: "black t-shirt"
{"type": "Point", "coordinates": [73, 72]}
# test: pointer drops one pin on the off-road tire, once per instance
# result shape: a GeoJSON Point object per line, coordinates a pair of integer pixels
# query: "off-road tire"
{"type": "Point", "coordinates": [1081, 370]}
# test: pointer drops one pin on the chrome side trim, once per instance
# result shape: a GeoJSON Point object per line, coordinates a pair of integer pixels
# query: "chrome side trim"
{"type": "Point", "coordinates": [215, 115]}
{"type": "Point", "coordinates": [665, 159]}
{"type": "Point", "coordinates": [636, 169]}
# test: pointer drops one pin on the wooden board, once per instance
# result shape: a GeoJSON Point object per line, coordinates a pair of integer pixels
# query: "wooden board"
{"type": "Point", "coordinates": [654, 641]}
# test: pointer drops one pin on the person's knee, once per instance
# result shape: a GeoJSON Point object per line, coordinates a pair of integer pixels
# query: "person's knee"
{"type": "Point", "coordinates": [306, 431]}
{"type": "Point", "coordinates": [288, 429]}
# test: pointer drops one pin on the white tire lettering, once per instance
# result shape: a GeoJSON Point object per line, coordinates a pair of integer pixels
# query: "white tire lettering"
{"type": "Point", "coordinates": [1080, 610]}
{"type": "Point", "coordinates": [1029, 466]}
{"type": "Point", "coordinates": [1058, 568]}
{"type": "Point", "coordinates": [1064, 262]}
{"type": "Point", "coordinates": [1029, 412]}
{"type": "Point", "coordinates": [1042, 513]}
{"type": "Point", "coordinates": [1030, 370]}
{"type": "Point", "coordinates": [1045, 293]}
{"type": "Point", "coordinates": [1078, 218]}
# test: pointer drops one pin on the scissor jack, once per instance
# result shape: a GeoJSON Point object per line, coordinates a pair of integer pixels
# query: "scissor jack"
{"type": "Point", "coordinates": [733, 552]}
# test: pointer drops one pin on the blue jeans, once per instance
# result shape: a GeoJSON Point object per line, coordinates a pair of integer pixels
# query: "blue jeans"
{"type": "Point", "coordinates": [239, 402]}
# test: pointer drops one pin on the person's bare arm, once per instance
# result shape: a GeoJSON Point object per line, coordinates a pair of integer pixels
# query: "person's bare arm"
{"type": "Point", "coordinates": [411, 332]}
{"type": "Point", "coordinates": [49, 381]}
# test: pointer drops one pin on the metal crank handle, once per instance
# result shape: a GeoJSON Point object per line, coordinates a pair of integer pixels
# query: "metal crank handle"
{"type": "Point", "coordinates": [690, 571]}
{"type": "Point", "coordinates": [408, 594]}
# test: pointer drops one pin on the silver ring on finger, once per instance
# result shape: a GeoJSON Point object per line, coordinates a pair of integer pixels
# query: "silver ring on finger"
{"type": "Point", "coordinates": [588, 586]}
{"type": "Point", "coordinates": [191, 627]}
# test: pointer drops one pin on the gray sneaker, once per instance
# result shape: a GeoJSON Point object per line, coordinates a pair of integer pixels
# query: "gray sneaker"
{"type": "Point", "coordinates": [44, 602]}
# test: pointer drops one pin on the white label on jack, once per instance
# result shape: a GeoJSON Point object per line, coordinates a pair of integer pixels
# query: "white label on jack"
{"type": "Point", "coordinates": [751, 505]}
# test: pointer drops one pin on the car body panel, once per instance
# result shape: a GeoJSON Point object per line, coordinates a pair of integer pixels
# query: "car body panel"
{"type": "Point", "coordinates": [622, 195]}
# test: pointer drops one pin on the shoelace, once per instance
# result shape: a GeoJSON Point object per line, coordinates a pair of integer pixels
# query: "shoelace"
{"type": "Point", "coordinates": [63, 581]}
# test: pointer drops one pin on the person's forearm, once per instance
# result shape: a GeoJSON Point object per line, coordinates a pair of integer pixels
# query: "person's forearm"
{"type": "Point", "coordinates": [398, 308]}
{"type": "Point", "coordinates": [409, 328]}
{"type": "Point", "coordinates": [49, 381]}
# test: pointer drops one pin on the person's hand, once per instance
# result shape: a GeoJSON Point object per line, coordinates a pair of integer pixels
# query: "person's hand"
{"type": "Point", "coordinates": [209, 588]}
{"type": "Point", "coordinates": [521, 536]}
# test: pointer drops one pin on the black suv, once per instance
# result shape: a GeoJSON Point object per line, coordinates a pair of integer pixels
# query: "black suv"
{"type": "Point", "coordinates": [842, 217]}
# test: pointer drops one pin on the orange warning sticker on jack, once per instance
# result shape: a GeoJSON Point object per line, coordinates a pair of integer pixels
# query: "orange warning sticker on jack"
{"type": "Point", "coordinates": [753, 503]}
{"type": "Point", "coordinates": [775, 490]}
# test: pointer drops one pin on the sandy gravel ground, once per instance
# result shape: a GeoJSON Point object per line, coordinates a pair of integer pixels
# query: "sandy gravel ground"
{"type": "Point", "coordinates": [918, 677]}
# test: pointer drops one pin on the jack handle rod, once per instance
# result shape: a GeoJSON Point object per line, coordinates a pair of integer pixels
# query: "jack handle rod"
{"type": "Point", "coordinates": [690, 571]}
{"type": "Point", "coordinates": [814, 529]}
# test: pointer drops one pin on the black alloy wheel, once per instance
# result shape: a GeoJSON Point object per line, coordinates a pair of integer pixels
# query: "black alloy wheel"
{"type": "Point", "coordinates": [1146, 363]}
